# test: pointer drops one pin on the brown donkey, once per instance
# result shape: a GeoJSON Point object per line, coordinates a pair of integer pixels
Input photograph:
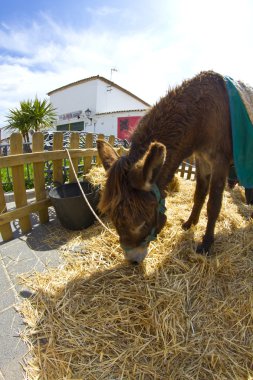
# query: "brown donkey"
{"type": "Point", "coordinates": [193, 118]}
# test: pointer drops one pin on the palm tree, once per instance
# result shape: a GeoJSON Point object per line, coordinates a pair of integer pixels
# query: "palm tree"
{"type": "Point", "coordinates": [43, 114]}
{"type": "Point", "coordinates": [32, 115]}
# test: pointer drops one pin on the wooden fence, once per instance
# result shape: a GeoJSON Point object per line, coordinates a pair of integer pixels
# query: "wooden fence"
{"type": "Point", "coordinates": [17, 159]}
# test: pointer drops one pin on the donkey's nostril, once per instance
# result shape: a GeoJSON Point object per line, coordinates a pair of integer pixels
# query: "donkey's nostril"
{"type": "Point", "coordinates": [137, 260]}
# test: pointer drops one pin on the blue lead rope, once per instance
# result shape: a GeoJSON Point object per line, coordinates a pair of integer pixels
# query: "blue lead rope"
{"type": "Point", "coordinates": [160, 200]}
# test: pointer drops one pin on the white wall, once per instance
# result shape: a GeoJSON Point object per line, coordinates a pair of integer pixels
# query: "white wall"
{"type": "Point", "coordinates": [115, 100]}
{"type": "Point", "coordinates": [75, 98]}
{"type": "Point", "coordinates": [94, 95]}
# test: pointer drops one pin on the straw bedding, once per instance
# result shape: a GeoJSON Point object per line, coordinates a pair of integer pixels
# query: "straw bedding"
{"type": "Point", "coordinates": [177, 316]}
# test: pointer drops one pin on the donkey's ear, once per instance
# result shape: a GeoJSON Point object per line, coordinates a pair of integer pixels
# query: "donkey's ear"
{"type": "Point", "coordinates": [106, 153]}
{"type": "Point", "coordinates": [146, 171]}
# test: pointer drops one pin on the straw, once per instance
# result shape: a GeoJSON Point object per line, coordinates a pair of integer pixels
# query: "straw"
{"type": "Point", "coordinates": [177, 316]}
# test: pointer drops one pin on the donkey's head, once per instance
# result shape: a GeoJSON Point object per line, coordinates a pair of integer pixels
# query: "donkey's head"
{"type": "Point", "coordinates": [132, 199]}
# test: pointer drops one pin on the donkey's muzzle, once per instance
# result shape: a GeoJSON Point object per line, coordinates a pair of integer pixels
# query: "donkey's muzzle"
{"type": "Point", "coordinates": [136, 255]}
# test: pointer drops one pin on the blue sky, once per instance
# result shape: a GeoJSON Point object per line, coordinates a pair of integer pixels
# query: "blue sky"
{"type": "Point", "coordinates": [45, 44]}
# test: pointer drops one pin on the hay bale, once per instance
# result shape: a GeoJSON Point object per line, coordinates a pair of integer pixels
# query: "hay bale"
{"type": "Point", "coordinates": [96, 176]}
{"type": "Point", "coordinates": [177, 316]}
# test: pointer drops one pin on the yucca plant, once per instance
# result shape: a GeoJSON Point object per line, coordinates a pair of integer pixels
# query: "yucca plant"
{"type": "Point", "coordinates": [43, 114]}
{"type": "Point", "coordinates": [31, 115]}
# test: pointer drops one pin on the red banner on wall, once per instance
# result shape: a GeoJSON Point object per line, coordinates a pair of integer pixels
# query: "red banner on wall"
{"type": "Point", "coordinates": [126, 126]}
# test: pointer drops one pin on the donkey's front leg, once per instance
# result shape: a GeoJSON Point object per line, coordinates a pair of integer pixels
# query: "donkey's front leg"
{"type": "Point", "coordinates": [217, 186]}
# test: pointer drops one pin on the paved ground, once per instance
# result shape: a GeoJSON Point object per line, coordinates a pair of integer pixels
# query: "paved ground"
{"type": "Point", "coordinates": [21, 255]}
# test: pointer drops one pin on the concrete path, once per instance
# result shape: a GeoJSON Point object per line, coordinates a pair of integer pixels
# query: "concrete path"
{"type": "Point", "coordinates": [20, 255]}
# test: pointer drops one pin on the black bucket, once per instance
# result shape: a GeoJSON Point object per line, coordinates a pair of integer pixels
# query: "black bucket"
{"type": "Point", "coordinates": [71, 207]}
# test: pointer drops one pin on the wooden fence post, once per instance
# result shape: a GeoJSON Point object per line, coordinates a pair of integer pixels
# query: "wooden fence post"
{"type": "Point", "coordinates": [5, 229]}
{"type": "Point", "coordinates": [111, 140]}
{"type": "Point", "coordinates": [120, 151]}
{"type": "Point", "coordinates": [101, 136]}
{"type": "Point", "coordinates": [190, 168]}
{"type": "Point", "coordinates": [57, 164]}
{"type": "Point", "coordinates": [16, 147]}
{"type": "Point", "coordinates": [39, 175]}
{"type": "Point", "coordinates": [182, 171]}
{"type": "Point", "coordinates": [87, 160]}
{"type": "Point", "coordinates": [74, 144]}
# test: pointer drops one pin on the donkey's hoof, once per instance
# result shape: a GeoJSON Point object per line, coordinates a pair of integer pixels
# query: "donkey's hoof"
{"type": "Point", "coordinates": [203, 249]}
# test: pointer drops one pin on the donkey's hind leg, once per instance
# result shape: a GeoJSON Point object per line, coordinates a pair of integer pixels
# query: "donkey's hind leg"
{"type": "Point", "coordinates": [217, 185]}
{"type": "Point", "coordinates": [202, 185]}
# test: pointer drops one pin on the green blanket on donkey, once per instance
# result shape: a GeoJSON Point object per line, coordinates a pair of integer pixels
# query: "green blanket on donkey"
{"type": "Point", "coordinates": [242, 133]}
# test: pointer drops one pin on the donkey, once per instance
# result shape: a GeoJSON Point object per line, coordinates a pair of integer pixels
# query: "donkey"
{"type": "Point", "coordinates": [193, 118]}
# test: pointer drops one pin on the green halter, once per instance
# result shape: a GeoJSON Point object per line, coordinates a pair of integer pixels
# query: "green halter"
{"type": "Point", "coordinates": [160, 210]}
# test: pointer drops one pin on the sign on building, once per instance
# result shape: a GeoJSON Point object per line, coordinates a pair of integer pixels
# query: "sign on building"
{"type": "Point", "coordinates": [126, 126]}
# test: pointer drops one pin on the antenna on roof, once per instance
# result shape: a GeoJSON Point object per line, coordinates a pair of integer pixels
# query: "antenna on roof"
{"type": "Point", "coordinates": [112, 70]}
{"type": "Point", "coordinates": [109, 88]}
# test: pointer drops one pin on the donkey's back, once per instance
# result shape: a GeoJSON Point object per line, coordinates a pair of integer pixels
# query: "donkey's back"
{"type": "Point", "coordinates": [192, 118]}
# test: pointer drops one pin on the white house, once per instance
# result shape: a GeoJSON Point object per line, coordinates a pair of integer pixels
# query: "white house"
{"type": "Point", "coordinates": [97, 105]}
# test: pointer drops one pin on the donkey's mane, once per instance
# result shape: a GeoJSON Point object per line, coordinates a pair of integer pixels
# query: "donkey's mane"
{"type": "Point", "coordinates": [165, 122]}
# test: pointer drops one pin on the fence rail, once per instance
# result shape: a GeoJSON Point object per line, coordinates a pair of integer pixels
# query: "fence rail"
{"type": "Point", "coordinates": [16, 161]}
